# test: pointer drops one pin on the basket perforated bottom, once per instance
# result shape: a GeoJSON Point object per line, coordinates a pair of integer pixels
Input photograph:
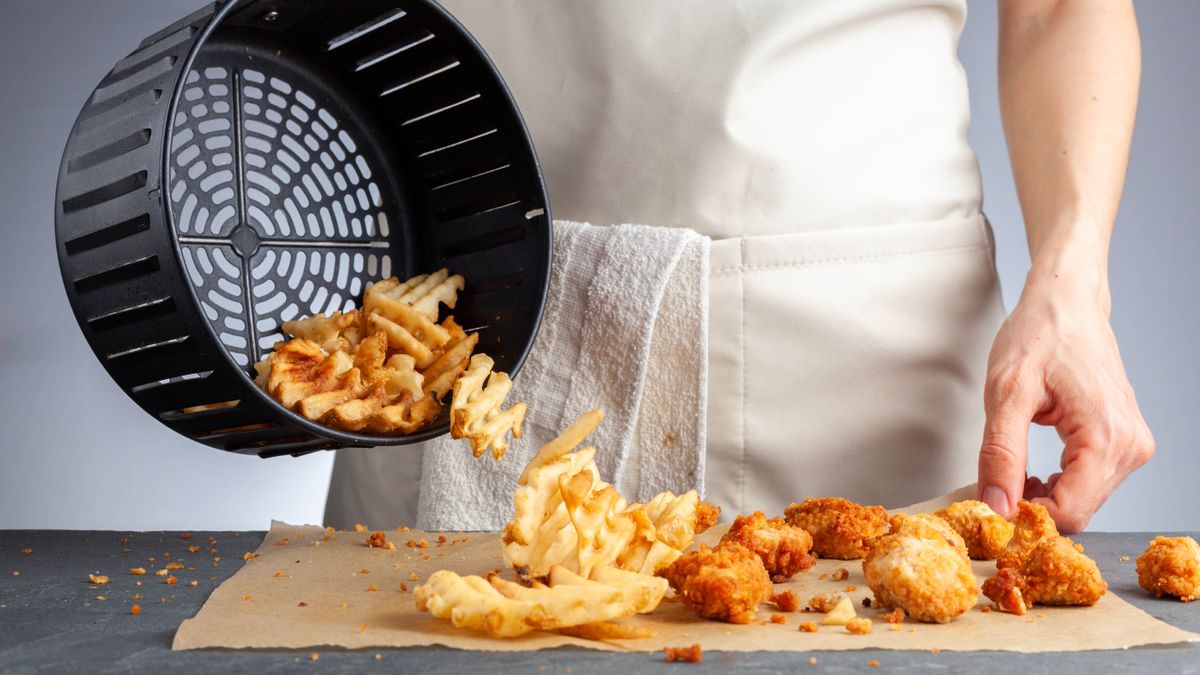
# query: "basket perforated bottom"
{"type": "Point", "coordinates": [283, 204]}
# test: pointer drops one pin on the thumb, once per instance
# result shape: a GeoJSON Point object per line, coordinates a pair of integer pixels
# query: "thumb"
{"type": "Point", "coordinates": [1003, 453]}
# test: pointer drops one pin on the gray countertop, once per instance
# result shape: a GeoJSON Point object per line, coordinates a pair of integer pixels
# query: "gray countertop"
{"type": "Point", "coordinates": [52, 621]}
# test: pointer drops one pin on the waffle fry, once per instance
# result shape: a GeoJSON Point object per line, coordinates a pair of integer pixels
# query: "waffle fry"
{"type": "Point", "coordinates": [566, 516]}
{"type": "Point", "coordinates": [475, 412]}
{"type": "Point", "coordinates": [387, 368]}
{"type": "Point", "coordinates": [506, 609]}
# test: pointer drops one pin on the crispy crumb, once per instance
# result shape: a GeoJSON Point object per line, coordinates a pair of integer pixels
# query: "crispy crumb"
{"type": "Point", "coordinates": [101, 598]}
{"type": "Point", "coordinates": [246, 598]}
{"type": "Point", "coordinates": [98, 579]}
{"type": "Point", "coordinates": [823, 577]}
{"type": "Point", "coordinates": [403, 587]}
{"type": "Point", "coordinates": [858, 626]}
{"type": "Point", "coordinates": [823, 603]}
{"type": "Point", "coordinates": [936, 650]}
{"type": "Point", "coordinates": [194, 548]}
{"type": "Point", "coordinates": [873, 664]}
{"type": "Point", "coordinates": [372, 587]}
{"type": "Point", "coordinates": [135, 610]}
{"type": "Point", "coordinates": [174, 566]}
{"type": "Point", "coordinates": [137, 571]}
{"type": "Point", "coordinates": [280, 574]}
{"type": "Point", "coordinates": [193, 584]}
{"type": "Point", "coordinates": [778, 618]}
{"type": "Point", "coordinates": [413, 576]}
{"type": "Point", "coordinates": [985, 609]}
{"type": "Point", "coordinates": [171, 580]}
{"type": "Point", "coordinates": [314, 656]}
{"type": "Point", "coordinates": [248, 556]}
{"type": "Point", "coordinates": [812, 660]}
{"type": "Point", "coordinates": [302, 604]}
{"type": "Point", "coordinates": [840, 574]}
{"type": "Point", "coordinates": [364, 571]}
{"type": "Point", "coordinates": [895, 616]}
{"type": "Point", "coordinates": [379, 657]}
{"type": "Point", "coordinates": [423, 543]}
{"type": "Point", "coordinates": [362, 627]}
{"type": "Point", "coordinates": [809, 627]}
{"type": "Point", "coordinates": [282, 542]}
{"type": "Point", "coordinates": [377, 540]}
{"type": "Point", "coordinates": [185, 536]}
{"type": "Point", "coordinates": [161, 573]}
{"type": "Point", "coordinates": [692, 654]}
{"type": "Point", "coordinates": [359, 527]}
{"type": "Point", "coordinates": [137, 596]}
{"type": "Point", "coordinates": [895, 627]}
{"type": "Point", "coordinates": [27, 550]}
{"type": "Point", "coordinates": [1124, 558]}
{"type": "Point", "coordinates": [851, 589]}
{"type": "Point", "coordinates": [441, 538]}
{"type": "Point", "coordinates": [788, 601]}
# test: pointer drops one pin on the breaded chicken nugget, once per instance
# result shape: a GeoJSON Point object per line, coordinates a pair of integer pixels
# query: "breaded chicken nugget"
{"type": "Point", "coordinates": [1171, 566]}
{"type": "Point", "coordinates": [840, 528]}
{"type": "Point", "coordinates": [783, 548]}
{"type": "Point", "coordinates": [927, 577]}
{"type": "Point", "coordinates": [985, 532]}
{"type": "Point", "coordinates": [928, 526]}
{"type": "Point", "coordinates": [727, 582]}
{"type": "Point", "coordinates": [1055, 572]}
{"type": "Point", "coordinates": [1031, 524]}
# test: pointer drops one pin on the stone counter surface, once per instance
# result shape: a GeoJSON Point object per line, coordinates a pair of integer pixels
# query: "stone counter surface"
{"type": "Point", "coordinates": [51, 620]}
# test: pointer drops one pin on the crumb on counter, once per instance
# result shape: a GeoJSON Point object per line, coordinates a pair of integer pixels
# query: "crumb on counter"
{"type": "Point", "coordinates": [895, 616]}
{"type": "Point", "coordinates": [359, 527]}
{"type": "Point", "coordinates": [248, 556]}
{"type": "Point", "coordinates": [873, 664]}
{"type": "Point", "coordinates": [98, 579]}
{"type": "Point", "coordinates": [840, 574]}
{"type": "Point", "coordinates": [137, 571]}
{"type": "Point", "coordinates": [135, 610]}
{"type": "Point", "coordinates": [778, 618]}
{"type": "Point", "coordinates": [809, 627]}
{"type": "Point", "coordinates": [377, 540]}
{"type": "Point", "coordinates": [692, 654]}
{"type": "Point", "coordinates": [788, 601]}
{"type": "Point", "coordinates": [858, 626]}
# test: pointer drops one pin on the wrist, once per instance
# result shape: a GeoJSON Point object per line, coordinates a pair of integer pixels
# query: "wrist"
{"type": "Point", "coordinates": [1070, 265]}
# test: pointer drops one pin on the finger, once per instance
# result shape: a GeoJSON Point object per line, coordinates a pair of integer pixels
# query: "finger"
{"type": "Point", "coordinates": [1002, 456]}
{"type": "Point", "coordinates": [1034, 488]}
{"type": "Point", "coordinates": [1077, 492]}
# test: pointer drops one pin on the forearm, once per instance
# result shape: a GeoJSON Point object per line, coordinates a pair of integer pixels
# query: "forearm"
{"type": "Point", "coordinates": [1069, 73]}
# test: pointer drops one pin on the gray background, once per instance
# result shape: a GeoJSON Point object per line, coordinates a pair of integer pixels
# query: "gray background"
{"type": "Point", "coordinates": [76, 453]}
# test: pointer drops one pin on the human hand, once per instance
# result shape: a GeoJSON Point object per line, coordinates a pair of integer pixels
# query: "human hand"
{"type": "Point", "coordinates": [1055, 362]}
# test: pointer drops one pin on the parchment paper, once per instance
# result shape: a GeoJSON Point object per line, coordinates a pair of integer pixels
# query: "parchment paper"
{"type": "Point", "coordinates": [258, 608]}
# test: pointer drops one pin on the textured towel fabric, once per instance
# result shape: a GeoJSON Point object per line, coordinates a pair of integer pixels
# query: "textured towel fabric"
{"type": "Point", "coordinates": [625, 328]}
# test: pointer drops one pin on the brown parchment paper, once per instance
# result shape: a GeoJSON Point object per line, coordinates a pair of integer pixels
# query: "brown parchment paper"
{"type": "Point", "coordinates": [331, 573]}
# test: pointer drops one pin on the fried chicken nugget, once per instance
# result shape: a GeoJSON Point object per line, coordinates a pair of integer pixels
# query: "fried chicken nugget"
{"type": "Point", "coordinates": [840, 528]}
{"type": "Point", "coordinates": [926, 576]}
{"type": "Point", "coordinates": [928, 526]}
{"type": "Point", "coordinates": [985, 532]}
{"type": "Point", "coordinates": [1171, 566]}
{"type": "Point", "coordinates": [727, 582]}
{"type": "Point", "coordinates": [1055, 572]}
{"type": "Point", "coordinates": [1031, 524]}
{"type": "Point", "coordinates": [783, 548]}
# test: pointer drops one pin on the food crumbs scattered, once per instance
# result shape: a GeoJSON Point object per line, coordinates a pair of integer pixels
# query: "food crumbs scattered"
{"type": "Point", "coordinates": [823, 577]}
{"type": "Point", "coordinates": [101, 598]}
{"type": "Point", "coordinates": [364, 571]}
{"type": "Point", "coordinates": [895, 616]}
{"type": "Point", "coordinates": [377, 540]}
{"type": "Point", "coordinates": [194, 548]}
{"type": "Point", "coordinates": [413, 576]}
{"type": "Point", "coordinates": [185, 536]}
{"type": "Point", "coordinates": [985, 609]}
{"type": "Point", "coordinates": [171, 580]}
{"type": "Point", "coordinates": [246, 598]}
{"type": "Point", "coordinates": [851, 589]}
{"type": "Point", "coordinates": [808, 627]}
{"type": "Point", "coordinates": [174, 566]}
{"type": "Point", "coordinates": [247, 556]}
{"type": "Point", "coordinates": [359, 527]}
{"type": "Point", "coordinates": [98, 579]}
{"type": "Point", "coordinates": [379, 657]}
{"type": "Point", "coordinates": [895, 628]}
{"type": "Point", "coordinates": [137, 596]}
{"type": "Point", "coordinates": [692, 654]}
{"type": "Point", "coordinates": [936, 650]}
{"type": "Point", "coordinates": [16, 573]}
{"type": "Point", "coordinates": [812, 660]}
{"type": "Point", "coordinates": [280, 574]}
{"type": "Point", "coordinates": [372, 587]}
{"type": "Point", "coordinates": [161, 573]}
{"type": "Point", "coordinates": [404, 587]}
{"type": "Point", "coordinates": [362, 627]}
{"type": "Point", "coordinates": [302, 604]}
{"type": "Point", "coordinates": [314, 656]}
{"type": "Point", "coordinates": [282, 542]}
{"type": "Point", "coordinates": [778, 618]}
{"type": "Point", "coordinates": [1124, 558]}
{"type": "Point", "coordinates": [840, 574]}
{"type": "Point", "coordinates": [137, 571]}
{"type": "Point", "coordinates": [135, 610]}
{"type": "Point", "coordinates": [873, 664]}
{"type": "Point", "coordinates": [193, 584]}
{"type": "Point", "coordinates": [859, 626]}
{"type": "Point", "coordinates": [26, 550]}
{"type": "Point", "coordinates": [788, 601]}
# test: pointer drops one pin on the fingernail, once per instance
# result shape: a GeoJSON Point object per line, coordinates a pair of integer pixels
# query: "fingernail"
{"type": "Point", "coordinates": [996, 498]}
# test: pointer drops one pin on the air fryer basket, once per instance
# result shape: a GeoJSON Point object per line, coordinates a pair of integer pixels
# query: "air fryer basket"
{"type": "Point", "coordinates": [259, 161]}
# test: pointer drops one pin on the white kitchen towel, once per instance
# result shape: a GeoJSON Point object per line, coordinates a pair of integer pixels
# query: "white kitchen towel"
{"type": "Point", "coordinates": [625, 328]}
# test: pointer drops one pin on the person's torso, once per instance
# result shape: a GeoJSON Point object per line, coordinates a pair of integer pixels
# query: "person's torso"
{"type": "Point", "coordinates": [740, 118]}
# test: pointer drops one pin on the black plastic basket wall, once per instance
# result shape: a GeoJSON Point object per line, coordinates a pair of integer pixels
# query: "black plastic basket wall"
{"type": "Point", "coordinates": [262, 161]}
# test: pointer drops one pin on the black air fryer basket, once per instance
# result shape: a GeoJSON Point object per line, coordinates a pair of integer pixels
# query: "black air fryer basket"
{"type": "Point", "coordinates": [260, 161]}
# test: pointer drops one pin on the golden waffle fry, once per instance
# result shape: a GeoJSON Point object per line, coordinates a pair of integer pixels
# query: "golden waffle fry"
{"type": "Point", "coordinates": [475, 412]}
{"type": "Point", "coordinates": [326, 331]}
{"type": "Point", "coordinates": [602, 531]}
{"type": "Point", "coordinates": [506, 609]}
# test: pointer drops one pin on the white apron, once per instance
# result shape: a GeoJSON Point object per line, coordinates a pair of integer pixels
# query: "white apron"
{"type": "Point", "coordinates": [823, 147]}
